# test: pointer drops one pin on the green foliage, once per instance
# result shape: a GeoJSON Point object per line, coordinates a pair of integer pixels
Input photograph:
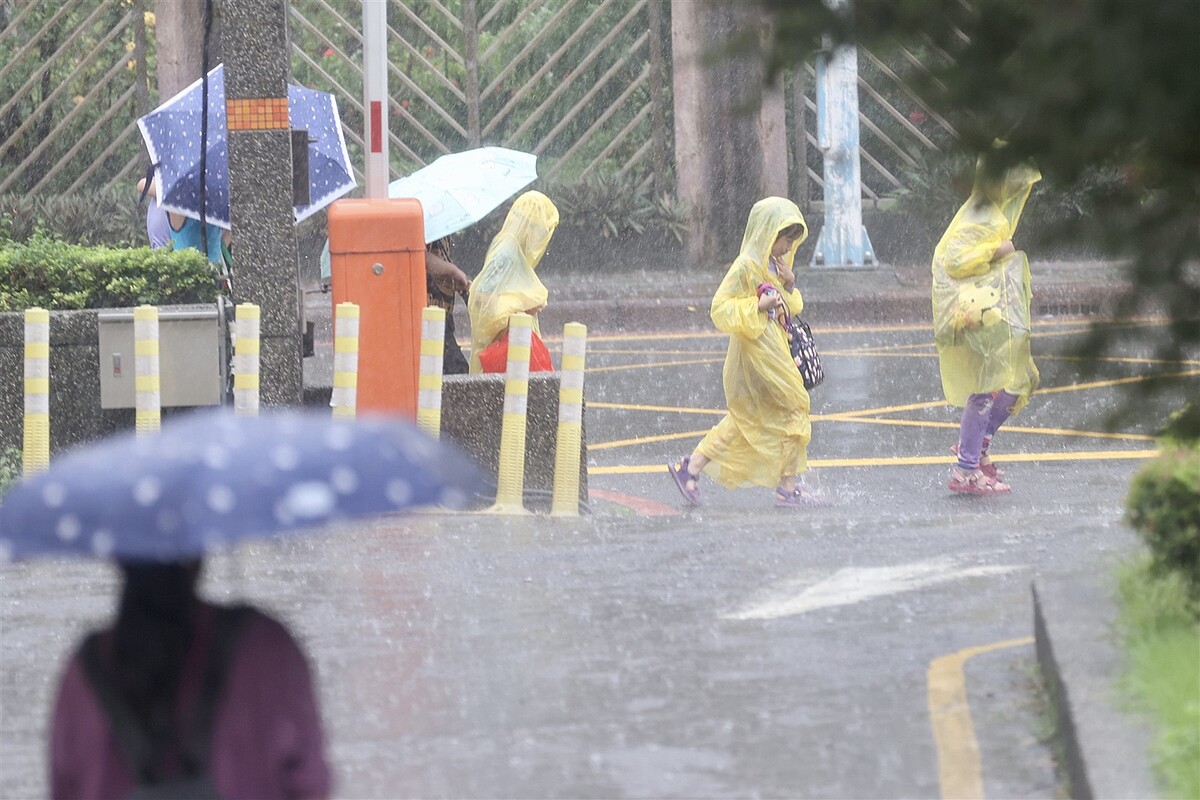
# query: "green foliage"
{"type": "Point", "coordinates": [91, 217]}
{"type": "Point", "coordinates": [10, 468]}
{"type": "Point", "coordinates": [1095, 91]}
{"type": "Point", "coordinates": [67, 68]}
{"type": "Point", "coordinates": [1161, 637]}
{"type": "Point", "coordinates": [1164, 508]}
{"type": "Point", "coordinates": [57, 275]}
{"type": "Point", "coordinates": [617, 206]}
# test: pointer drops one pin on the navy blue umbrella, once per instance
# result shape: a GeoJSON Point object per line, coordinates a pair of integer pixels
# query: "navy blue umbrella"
{"type": "Point", "coordinates": [172, 136]}
{"type": "Point", "coordinates": [212, 478]}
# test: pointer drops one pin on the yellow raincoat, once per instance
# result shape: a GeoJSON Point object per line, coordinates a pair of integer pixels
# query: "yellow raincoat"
{"type": "Point", "coordinates": [981, 316]}
{"type": "Point", "coordinates": [507, 284]}
{"type": "Point", "coordinates": [765, 434]}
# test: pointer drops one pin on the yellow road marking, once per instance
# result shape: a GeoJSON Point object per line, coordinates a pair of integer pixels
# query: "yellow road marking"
{"type": "Point", "coordinates": [1134, 437]}
{"type": "Point", "coordinates": [960, 772]}
{"type": "Point", "coordinates": [720, 412]}
{"type": "Point", "coordinates": [909, 461]}
{"type": "Point", "coordinates": [657, 364]}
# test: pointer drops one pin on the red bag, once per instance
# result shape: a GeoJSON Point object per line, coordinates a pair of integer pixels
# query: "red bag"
{"type": "Point", "coordinates": [494, 357]}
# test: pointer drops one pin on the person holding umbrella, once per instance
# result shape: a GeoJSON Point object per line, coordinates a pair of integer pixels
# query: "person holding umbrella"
{"type": "Point", "coordinates": [178, 694]}
{"type": "Point", "coordinates": [213, 701]}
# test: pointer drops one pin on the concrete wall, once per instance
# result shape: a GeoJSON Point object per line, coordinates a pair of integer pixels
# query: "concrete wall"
{"type": "Point", "coordinates": [472, 406]}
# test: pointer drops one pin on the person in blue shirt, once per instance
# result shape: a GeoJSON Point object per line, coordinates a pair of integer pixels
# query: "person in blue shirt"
{"type": "Point", "coordinates": [181, 232]}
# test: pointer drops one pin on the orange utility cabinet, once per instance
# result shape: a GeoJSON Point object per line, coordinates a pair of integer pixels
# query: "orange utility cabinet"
{"type": "Point", "coordinates": [377, 260]}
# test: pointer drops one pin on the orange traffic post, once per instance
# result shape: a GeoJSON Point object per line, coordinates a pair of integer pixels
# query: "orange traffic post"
{"type": "Point", "coordinates": [377, 261]}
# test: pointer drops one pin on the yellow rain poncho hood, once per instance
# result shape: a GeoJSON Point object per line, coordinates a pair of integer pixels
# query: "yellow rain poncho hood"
{"type": "Point", "coordinates": [765, 434]}
{"type": "Point", "coordinates": [981, 315]}
{"type": "Point", "coordinates": [508, 283]}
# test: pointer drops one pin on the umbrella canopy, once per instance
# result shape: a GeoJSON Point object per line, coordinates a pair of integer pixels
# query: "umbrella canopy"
{"type": "Point", "coordinates": [172, 136]}
{"type": "Point", "coordinates": [459, 189]}
{"type": "Point", "coordinates": [213, 478]}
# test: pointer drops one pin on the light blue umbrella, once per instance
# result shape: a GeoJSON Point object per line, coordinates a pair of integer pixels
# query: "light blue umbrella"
{"type": "Point", "coordinates": [172, 136]}
{"type": "Point", "coordinates": [459, 189]}
{"type": "Point", "coordinates": [212, 478]}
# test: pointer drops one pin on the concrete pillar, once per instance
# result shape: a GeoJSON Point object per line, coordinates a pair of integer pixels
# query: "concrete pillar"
{"type": "Point", "coordinates": [257, 70]}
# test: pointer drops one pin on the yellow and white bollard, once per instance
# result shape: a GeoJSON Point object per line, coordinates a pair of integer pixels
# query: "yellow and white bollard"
{"type": "Point", "coordinates": [147, 396]}
{"type": "Point", "coordinates": [246, 348]}
{"type": "Point", "coordinates": [429, 388]}
{"type": "Point", "coordinates": [510, 478]}
{"type": "Point", "coordinates": [570, 422]}
{"type": "Point", "coordinates": [345, 361]}
{"type": "Point", "coordinates": [36, 445]}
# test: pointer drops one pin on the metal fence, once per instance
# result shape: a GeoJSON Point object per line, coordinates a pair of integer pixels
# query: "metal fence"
{"type": "Point", "coordinates": [585, 84]}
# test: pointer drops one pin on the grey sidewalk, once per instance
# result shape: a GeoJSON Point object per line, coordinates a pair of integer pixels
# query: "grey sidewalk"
{"type": "Point", "coordinates": [646, 300]}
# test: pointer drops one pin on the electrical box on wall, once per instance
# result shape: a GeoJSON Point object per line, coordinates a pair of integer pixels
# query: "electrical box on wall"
{"type": "Point", "coordinates": [190, 357]}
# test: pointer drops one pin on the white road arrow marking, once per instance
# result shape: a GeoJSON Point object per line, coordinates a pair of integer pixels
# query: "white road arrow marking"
{"type": "Point", "coordinates": [856, 584]}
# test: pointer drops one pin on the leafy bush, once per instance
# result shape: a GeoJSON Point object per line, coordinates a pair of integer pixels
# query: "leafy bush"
{"type": "Point", "coordinates": [10, 467]}
{"type": "Point", "coordinates": [56, 275]}
{"type": "Point", "coordinates": [1164, 508]}
{"type": "Point", "coordinates": [107, 216]}
{"type": "Point", "coordinates": [618, 206]}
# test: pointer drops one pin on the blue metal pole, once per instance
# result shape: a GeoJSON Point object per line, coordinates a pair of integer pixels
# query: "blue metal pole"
{"type": "Point", "coordinates": [843, 241]}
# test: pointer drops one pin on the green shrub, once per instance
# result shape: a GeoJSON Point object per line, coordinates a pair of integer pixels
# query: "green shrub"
{"type": "Point", "coordinates": [60, 276]}
{"type": "Point", "coordinates": [10, 468]}
{"type": "Point", "coordinates": [1164, 508]}
{"type": "Point", "coordinates": [93, 217]}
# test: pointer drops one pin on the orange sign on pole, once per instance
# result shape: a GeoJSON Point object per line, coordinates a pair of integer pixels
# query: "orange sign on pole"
{"type": "Point", "coordinates": [377, 261]}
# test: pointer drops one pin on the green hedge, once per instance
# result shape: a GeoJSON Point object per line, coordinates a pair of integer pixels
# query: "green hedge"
{"type": "Point", "coordinates": [1164, 503]}
{"type": "Point", "coordinates": [60, 276]}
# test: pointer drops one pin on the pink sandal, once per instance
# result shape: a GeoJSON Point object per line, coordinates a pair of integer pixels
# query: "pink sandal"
{"type": "Point", "coordinates": [975, 482]}
{"type": "Point", "coordinates": [986, 466]}
{"type": "Point", "coordinates": [683, 477]}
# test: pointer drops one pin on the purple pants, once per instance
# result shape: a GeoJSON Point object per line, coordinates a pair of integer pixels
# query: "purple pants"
{"type": "Point", "coordinates": [981, 418]}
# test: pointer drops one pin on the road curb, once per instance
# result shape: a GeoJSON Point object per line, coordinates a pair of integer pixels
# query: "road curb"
{"type": "Point", "coordinates": [1106, 750]}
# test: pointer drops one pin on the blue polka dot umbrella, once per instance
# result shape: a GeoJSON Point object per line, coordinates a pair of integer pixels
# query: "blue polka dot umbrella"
{"type": "Point", "coordinates": [172, 136]}
{"type": "Point", "coordinates": [213, 478]}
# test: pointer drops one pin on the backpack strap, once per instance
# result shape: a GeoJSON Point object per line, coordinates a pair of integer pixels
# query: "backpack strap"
{"type": "Point", "coordinates": [229, 623]}
{"type": "Point", "coordinates": [146, 187]}
{"type": "Point", "coordinates": [142, 755]}
{"type": "Point", "coordinates": [131, 737]}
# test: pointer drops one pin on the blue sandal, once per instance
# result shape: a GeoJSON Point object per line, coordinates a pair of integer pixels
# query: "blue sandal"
{"type": "Point", "coordinates": [682, 476]}
{"type": "Point", "coordinates": [797, 498]}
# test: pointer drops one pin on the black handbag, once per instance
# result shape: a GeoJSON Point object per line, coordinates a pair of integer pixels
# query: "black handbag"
{"type": "Point", "coordinates": [804, 353]}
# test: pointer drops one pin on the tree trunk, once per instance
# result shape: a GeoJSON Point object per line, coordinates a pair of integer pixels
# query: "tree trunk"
{"type": "Point", "coordinates": [179, 34]}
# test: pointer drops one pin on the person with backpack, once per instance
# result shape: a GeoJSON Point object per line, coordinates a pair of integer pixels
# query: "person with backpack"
{"type": "Point", "coordinates": [183, 698]}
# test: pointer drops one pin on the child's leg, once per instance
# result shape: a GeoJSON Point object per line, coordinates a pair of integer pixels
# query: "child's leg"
{"type": "Point", "coordinates": [975, 417]}
{"type": "Point", "coordinates": [1002, 406]}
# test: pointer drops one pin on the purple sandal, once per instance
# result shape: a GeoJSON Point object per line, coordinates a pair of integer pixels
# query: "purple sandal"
{"type": "Point", "coordinates": [681, 475]}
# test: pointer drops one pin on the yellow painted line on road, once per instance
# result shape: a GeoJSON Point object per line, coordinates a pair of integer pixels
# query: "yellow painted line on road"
{"type": "Point", "coordinates": [960, 771]}
{"type": "Point", "coordinates": [657, 364]}
{"type": "Point", "coordinates": [720, 412]}
{"type": "Point", "coordinates": [666, 437]}
{"type": "Point", "coordinates": [911, 461]}
{"type": "Point", "coordinates": [1115, 382]}
{"type": "Point", "coordinates": [913, 423]}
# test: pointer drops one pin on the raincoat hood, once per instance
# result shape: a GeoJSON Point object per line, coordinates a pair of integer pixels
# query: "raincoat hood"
{"type": "Point", "coordinates": [1007, 191]}
{"type": "Point", "coordinates": [508, 283]}
{"type": "Point", "coordinates": [530, 224]}
{"type": "Point", "coordinates": [768, 217]}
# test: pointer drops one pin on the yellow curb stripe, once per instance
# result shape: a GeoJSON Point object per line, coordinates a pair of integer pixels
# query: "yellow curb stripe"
{"type": "Point", "coordinates": [960, 771]}
{"type": "Point", "coordinates": [911, 461]}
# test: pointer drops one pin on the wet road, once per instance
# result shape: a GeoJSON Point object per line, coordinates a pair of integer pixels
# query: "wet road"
{"type": "Point", "coordinates": [876, 647]}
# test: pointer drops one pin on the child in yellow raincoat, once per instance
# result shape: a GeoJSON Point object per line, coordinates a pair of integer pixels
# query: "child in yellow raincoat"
{"type": "Point", "coordinates": [763, 438]}
{"type": "Point", "coordinates": [508, 284]}
{"type": "Point", "coordinates": [981, 319]}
